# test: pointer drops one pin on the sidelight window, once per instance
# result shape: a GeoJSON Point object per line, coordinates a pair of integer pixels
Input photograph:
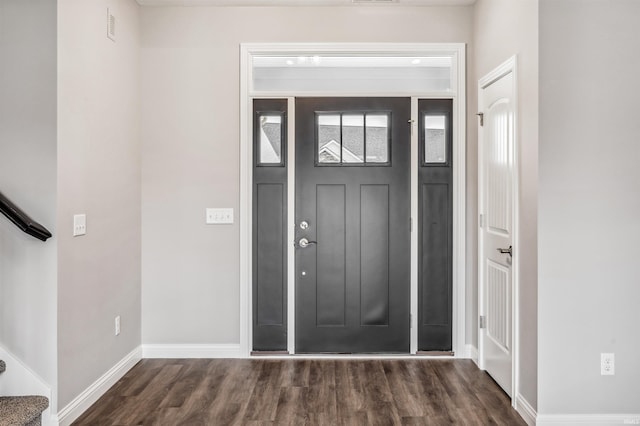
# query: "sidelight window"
{"type": "Point", "coordinates": [270, 139]}
{"type": "Point", "coordinates": [435, 139]}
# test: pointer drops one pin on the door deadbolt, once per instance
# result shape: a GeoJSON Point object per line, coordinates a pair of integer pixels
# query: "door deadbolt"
{"type": "Point", "coordinates": [304, 224]}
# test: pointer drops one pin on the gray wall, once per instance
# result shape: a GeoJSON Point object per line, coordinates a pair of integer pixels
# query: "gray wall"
{"type": "Point", "coordinates": [98, 174]}
{"type": "Point", "coordinates": [503, 28]}
{"type": "Point", "coordinates": [190, 144]}
{"type": "Point", "coordinates": [28, 178]}
{"type": "Point", "coordinates": [589, 205]}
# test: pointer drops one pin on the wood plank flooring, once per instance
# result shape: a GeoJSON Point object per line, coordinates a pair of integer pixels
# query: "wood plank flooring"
{"type": "Point", "coordinates": [303, 392]}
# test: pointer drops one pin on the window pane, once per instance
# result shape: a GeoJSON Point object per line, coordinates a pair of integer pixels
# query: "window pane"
{"type": "Point", "coordinates": [377, 138]}
{"type": "Point", "coordinates": [435, 140]}
{"type": "Point", "coordinates": [353, 138]}
{"type": "Point", "coordinates": [355, 74]}
{"type": "Point", "coordinates": [270, 140]}
{"type": "Point", "coordinates": [329, 138]}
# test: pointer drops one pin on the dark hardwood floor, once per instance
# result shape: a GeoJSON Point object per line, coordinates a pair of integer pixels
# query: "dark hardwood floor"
{"type": "Point", "coordinates": [303, 392]}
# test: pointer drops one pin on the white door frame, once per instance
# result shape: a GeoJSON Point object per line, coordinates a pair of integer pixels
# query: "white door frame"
{"type": "Point", "coordinates": [509, 66]}
{"type": "Point", "coordinates": [458, 94]}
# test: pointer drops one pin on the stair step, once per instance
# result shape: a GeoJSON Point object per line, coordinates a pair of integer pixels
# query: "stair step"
{"type": "Point", "coordinates": [3, 366]}
{"type": "Point", "coordinates": [22, 410]}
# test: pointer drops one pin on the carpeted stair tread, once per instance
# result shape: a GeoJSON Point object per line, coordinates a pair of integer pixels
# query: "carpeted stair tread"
{"type": "Point", "coordinates": [22, 410]}
{"type": "Point", "coordinates": [3, 366]}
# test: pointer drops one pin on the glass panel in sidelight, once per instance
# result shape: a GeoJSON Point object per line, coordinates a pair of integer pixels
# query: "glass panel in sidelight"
{"type": "Point", "coordinates": [435, 139]}
{"type": "Point", "coordinates": [270, 139]}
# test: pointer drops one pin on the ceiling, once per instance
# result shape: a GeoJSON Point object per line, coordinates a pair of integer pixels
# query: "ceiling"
{"type": "Point", "coordinates": [396, 3]}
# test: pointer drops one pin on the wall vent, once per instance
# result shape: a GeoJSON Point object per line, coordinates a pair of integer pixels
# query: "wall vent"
{"type": "Point", "coordinates": [111, 25]}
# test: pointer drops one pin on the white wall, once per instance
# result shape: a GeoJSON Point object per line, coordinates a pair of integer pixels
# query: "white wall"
{"type": "Point", "coordinates": [589, 206]}
{"type": "Point", "coordinates": [503, 28]}
{"type": "Point", "coordinates": [190, 144]}
{"type": "Point", "coordinates": [98, 174]}
{"type": "Point", "coordinates": [28, 178]}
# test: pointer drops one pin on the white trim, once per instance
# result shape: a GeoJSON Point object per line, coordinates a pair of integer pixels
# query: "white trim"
{"type": "Point", "coordinates": [178, 351]}
{"type": "Point", "coordinates": [414, 226]}
{"type": "Point", "coordinates": [18, 379]}
{"type": "Point", "coordinates": [346, 94]}
{"type": "Point", "coordinates": [459, 200]}
{"type": "Point", "coordinates": [89, 396]}
{"type": "Point", "coordinates": [246, 183]}
{"type": "Point", "coordinates": [458, 94]}
{"type": "Point", "coordinates": [471, 352]}
{"type": "Point", "coordinates": [588, 419]}
{"type": "Point", "coordinates": [509, 66]}
{"type": "Point", "coordinates": [515, 319]}
{"type": "Point", "coordinates": [526, 411]}
{"type": "Point", "coordinates": [291, 219]}
{"type": "Point", "coordinates": [298, 3]}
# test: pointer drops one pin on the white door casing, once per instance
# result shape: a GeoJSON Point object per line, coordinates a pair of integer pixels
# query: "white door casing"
{"type": "Point", "coordinates": [457, 93]}
{"type": "Point", "coordinates": [497, 190]}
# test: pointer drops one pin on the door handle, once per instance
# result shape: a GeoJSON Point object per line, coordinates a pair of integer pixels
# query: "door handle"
{"type": "Point", "coordinates": [305, 243]}
{"type": "Point", "coordinates": [508, 251]}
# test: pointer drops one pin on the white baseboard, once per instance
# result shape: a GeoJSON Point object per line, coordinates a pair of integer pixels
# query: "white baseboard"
{"type": "Point", "coordinates": [89, 396]}
{"type": "Point", "coordinates": [588, 419]}
{"type": "Point", "coordinates": [221, 350]}
{"type": "Point", "coordinates": [19, 379]}
{"type": "Point", "coordinates": [526, 411]}
{"type": "Point", "coordinates": [472, 353]}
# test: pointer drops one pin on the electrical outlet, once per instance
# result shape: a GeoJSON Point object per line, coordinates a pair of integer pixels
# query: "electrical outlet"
{"type": "Point", "coordinates": [117, 325]}
{"type": "Point", "coordinates": [607, 364]}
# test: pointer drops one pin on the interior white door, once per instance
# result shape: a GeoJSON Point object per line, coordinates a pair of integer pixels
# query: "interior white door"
{"type": "Point", "coordinates": [496, 150]}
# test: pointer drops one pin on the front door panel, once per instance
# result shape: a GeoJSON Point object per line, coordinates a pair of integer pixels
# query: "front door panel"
{"type": "Point", "coordinates": [353, 195]}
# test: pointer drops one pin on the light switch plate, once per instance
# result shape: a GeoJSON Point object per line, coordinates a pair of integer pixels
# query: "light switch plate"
{"type": "Point", "coordinates": [219, 216]}
{"type": "Point", "coordinates": [79, 225]}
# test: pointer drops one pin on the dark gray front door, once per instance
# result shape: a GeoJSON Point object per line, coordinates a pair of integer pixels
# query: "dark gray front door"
{"type": "Point", "coordinates": [353, 217]}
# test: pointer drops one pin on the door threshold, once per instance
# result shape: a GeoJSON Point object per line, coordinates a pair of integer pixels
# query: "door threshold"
{"type": "Point", "coordinates": [344, 356]}
{"type": "Point", "coordinates": [269, 353]}
{"type": "Point", "coordinates": [436, 353]}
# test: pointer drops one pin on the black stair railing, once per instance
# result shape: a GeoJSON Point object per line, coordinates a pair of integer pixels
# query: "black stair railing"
{"type": "Point", "coordinates": [22, 220]}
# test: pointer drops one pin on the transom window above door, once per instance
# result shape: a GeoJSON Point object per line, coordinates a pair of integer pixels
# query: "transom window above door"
{"type": "Point", "coordinates": [352, 138]}
{"type": "Point", "coordinates": [354, 73]}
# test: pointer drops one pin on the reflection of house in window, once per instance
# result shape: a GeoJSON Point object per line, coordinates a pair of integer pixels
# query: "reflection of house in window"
{"type": "Point", "coordinates": [357, 140]}
{"type": "Point", "coordinates": [330, 153]}
{"type": "Point", "coordinates": [270, 139]}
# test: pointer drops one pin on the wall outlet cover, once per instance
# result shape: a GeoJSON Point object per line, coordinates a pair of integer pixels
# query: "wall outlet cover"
{"type": "Point", "coordinates": [607, 364]}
